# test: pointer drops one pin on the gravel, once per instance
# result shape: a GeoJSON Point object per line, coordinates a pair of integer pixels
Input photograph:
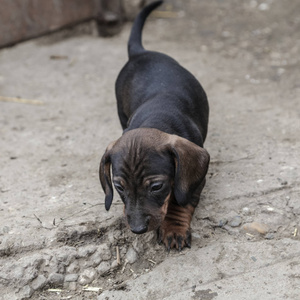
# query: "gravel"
{"type": "Point", "coordinates": [71, 277]}
{"type": "Point", "coordinates": [87, 276]}
{"type": "Point", "coordinates": [39, 282]}
{"type": "Point", "coordinates": [103, 267]}
{"type": "Point", "coordinates": [56, 279]}
{"type": "Point", "coordinates": [236, 221]}
{"type": "Point", "coordinates": [25, 292]}
{"type": "Point", "coordinates": [131, 255]}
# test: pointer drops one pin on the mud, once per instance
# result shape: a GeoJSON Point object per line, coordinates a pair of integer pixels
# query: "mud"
{"type": "Point", "coordinates": [56, 239]}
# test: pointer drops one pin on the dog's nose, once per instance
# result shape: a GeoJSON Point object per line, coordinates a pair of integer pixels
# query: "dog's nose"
{"type": "Point", "coordinates": [140, 229]}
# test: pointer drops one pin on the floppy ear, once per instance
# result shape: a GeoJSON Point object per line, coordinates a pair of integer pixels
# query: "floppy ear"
{"type": "Point", "coordinates": [105, 176]}
{"type": "Point", "coordinates": [191, 165]}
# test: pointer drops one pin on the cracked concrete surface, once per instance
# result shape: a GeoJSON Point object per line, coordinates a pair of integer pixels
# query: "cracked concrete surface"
{"type": "Point", "coordinates": [245, 229]}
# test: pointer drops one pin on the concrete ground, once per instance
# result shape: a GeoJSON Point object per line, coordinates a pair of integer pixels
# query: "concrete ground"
{"type": "Point", "coordinates": [56, 239]}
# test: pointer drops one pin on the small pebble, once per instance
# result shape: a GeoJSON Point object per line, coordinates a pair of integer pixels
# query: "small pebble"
{"type": "Point", "coordinates": [103, 268]}
{"type": "Point", "coordinates": [131, 255]}
{"type": "Point", "coordinates": [86, 251]}
{"type": "Point", "coordinates": [39, 282]}
{"type": "Point", "coordinates": [94, 260]}
{"type": "Point", "coordinates": [87, 276]}
{"type": "Point", "coordinates": [62, 257]}
{"type": "Point", "coordinates": [53, 265]}
{"type": "Point", "coordinates": [25, 292]}
{"type": "Point", "coordinates": [196, 235]}
{"type": "Point", "coordinates": [56, 279]}
{"type": "Point", "coordinates": [71, 277]}
{"type": "Point", "coordinates": [104, 252]}
{"type": "Point", "coordinates": [73, 267]}
{"type": "Point", "coordinates": [110, 237]}
{"type": "Point", "coordinates": [137, 245]}
{"type": "Point", "coordinates": [269, 236]}
{"type": "Point", "coordinates": [246, 211]}
{"type": "Point", "coordinates": [222, 222]}
{"type": "Point", "coordinates": [236, 221]}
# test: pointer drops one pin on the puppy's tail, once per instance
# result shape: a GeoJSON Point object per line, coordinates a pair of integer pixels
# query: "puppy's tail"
{"type": "Point", "coordinates": [135, 41]}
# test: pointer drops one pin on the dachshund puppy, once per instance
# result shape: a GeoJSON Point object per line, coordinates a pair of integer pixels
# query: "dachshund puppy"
{"type": "Point", "coordinates": [159, 164]}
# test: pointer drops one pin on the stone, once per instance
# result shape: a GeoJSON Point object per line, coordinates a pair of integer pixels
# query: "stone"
{"type": "Point", "coordinates": [86, 251]}
{"type": "Point", "coordinates": [104, 252]}
{"type": "Point", "coordinates": [73, 267]}
{"type": "Point", "coordinates": [56, 279]}
{"type": "Point", "coordinates": [196, 235]}
{"type": "Point", "coordinates": [246, 211]}
{"type": "Point", "coordinates": [25, 292]}
{"type": "Point", "coordinates": [53, 265]}
{"type": "Point", "coordinates": [110, 237]}
{"type": "Point", "coordinates": [131, 255]}
{"type": "Point", "coordinates": [62, 256]}
{"type": "Point", "coordinates": [114, 264]}
{"type": "Point", "coordinates": [222, 222]}
{"type": "Point", "coordinates": [103, 268]}
{"type": "Point", "coordinates": [39, 282]}
{"type": "Point", "coordinates": [95, 259]}
{"type": "Point", "coordinates": [87, 276]}
{"type": "Point", "coordinates": [138, 245]}
{"type": "Point", "coordinates": [236, 221]}
{"type": "Point", "coordinates": [67, 256]}
{"type": "Point", "coordinates": [71, 277]}
{"type": "Point", "coordinates": [30, 274]}
{"type": "Point", "coordinates": [269, 236]}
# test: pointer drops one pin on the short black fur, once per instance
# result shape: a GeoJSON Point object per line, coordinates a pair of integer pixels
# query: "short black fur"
{"type": "Point", "coordinates": [154, 91]}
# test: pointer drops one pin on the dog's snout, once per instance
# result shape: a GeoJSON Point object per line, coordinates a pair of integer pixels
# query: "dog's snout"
{"type": "Point", "coordinates": [141, 226]}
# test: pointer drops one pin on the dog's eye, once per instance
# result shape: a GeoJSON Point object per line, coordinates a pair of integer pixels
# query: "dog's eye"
{"type": "Point", "coordinates": [157, 186]}
{"type": "Point", "coordinates": [119, 187]}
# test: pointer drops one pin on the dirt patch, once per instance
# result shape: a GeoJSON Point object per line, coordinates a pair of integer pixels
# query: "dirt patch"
{"type": "Point", "coordinates": [56, 239]}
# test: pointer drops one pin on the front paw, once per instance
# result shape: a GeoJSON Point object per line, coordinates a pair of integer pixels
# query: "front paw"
{"type": "Point", "coordinates": [174, 237]}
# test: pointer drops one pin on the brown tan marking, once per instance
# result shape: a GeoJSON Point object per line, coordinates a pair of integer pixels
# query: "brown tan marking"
{"type": "Point", "coordinates": [175, 230]}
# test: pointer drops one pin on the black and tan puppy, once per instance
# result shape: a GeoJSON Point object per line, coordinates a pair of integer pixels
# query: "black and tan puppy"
{"type": "Point", "coordinates": [159, 163]}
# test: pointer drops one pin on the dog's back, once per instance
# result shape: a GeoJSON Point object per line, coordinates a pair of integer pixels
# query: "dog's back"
{"type": "Point", "coordinates": [154, 91]}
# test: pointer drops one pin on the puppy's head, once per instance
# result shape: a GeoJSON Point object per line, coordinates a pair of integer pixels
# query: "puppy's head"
{"type": "Point", "coordinates": [149, 168]}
